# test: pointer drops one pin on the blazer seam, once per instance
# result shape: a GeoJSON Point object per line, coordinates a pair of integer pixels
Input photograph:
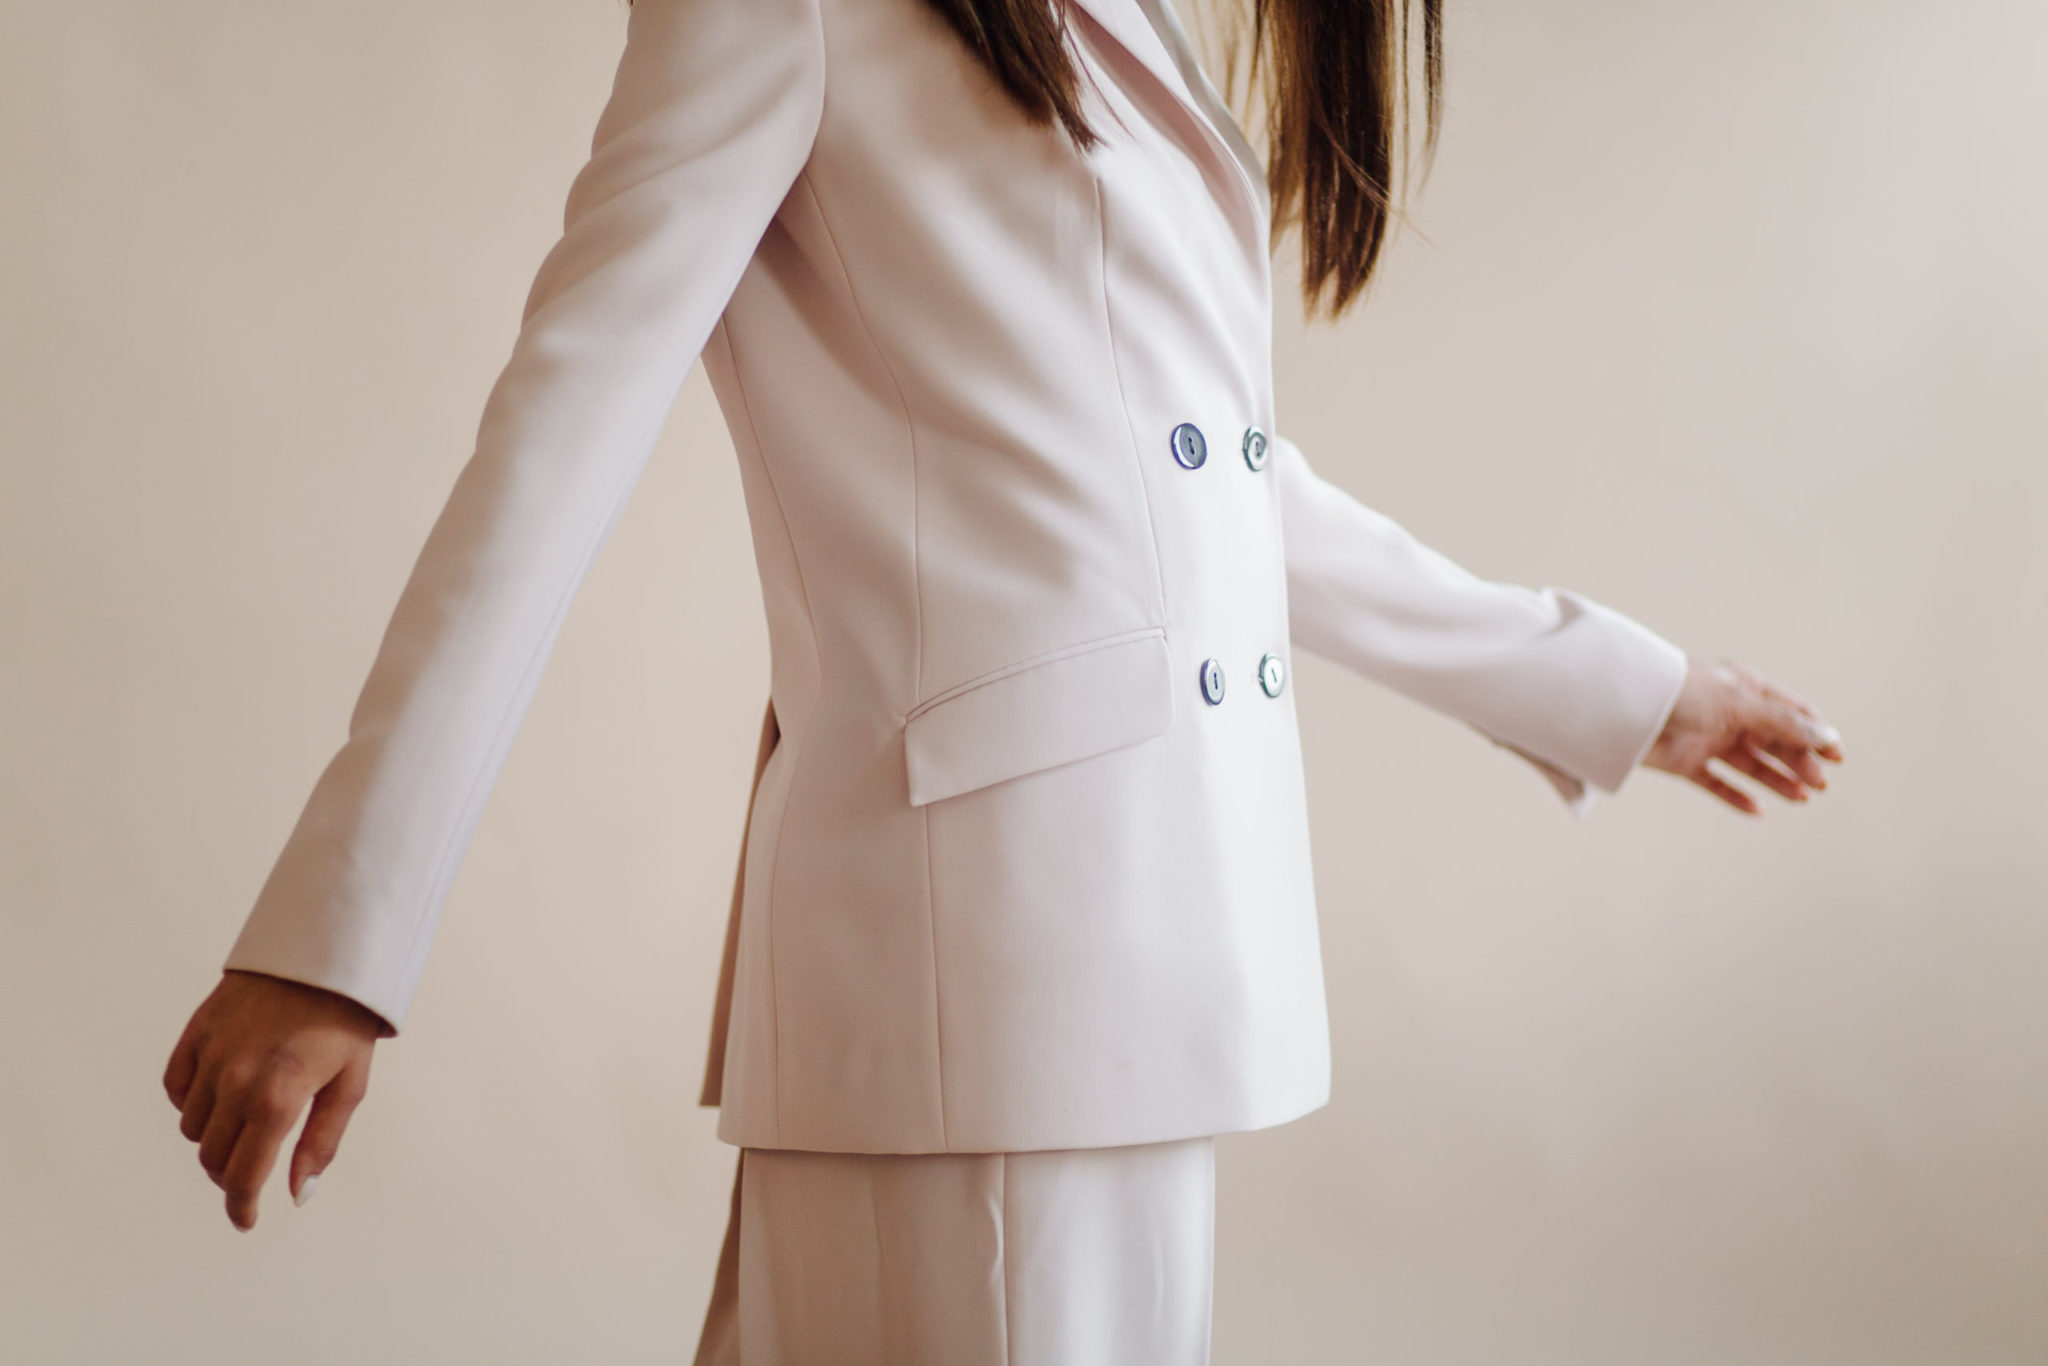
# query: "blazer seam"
{"type": "Point", "coordinates": [902, 406]}
{"type": "Point", "coordinates": [895, 382]}
{"type": "Point", "coordinates": [931, 917]}
{"type": "Point", "coordinates": [1124, 400]}
{"type": "Point", "coordinates": [796, 762]}
{"type": "Point", "coordinates": [917, 597]}
{"type": "Point", "coordinates": [1003, 1230]}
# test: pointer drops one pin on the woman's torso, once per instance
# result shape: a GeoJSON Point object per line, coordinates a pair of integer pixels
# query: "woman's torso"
{"type": "Point", "coordinates": [1013, 879]}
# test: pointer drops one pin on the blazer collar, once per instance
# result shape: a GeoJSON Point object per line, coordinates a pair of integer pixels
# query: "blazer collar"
{"type": "Point", "coordinates": [1150, 33]}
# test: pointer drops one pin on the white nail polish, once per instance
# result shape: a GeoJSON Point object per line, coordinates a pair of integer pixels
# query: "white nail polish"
{"type": "Point", "coordinates": [306, 1189]}
{"type": "Point", "coordinates": [1822, 734]}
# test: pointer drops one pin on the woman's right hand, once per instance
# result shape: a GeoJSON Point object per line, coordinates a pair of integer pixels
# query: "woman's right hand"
{"type": "Point", "coordinates": [257, 1049]}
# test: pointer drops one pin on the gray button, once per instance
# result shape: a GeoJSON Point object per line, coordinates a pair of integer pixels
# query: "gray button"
{"type": "Point", "coordinates": [1255, 448]}
{"type": "Point", "coordinates": [1272, 675]}
{"type": "Point", "coordinates": [1212, 681]}
{"type": "Point", "coordinates": [1188, 446]}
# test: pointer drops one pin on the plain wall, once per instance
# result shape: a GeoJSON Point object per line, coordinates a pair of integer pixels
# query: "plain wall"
{"type": "Point", "coordinates": [1734, 317]}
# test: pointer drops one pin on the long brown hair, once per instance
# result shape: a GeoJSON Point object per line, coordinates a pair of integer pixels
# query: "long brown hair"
{"type": "Point", "coordinates": [1334, 78]}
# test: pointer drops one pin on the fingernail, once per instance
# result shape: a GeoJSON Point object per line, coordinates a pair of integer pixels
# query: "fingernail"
{"type": "Point", "coordinates": [1822, 734]}
{"type": "Point", "coordinates": [306, 1189]}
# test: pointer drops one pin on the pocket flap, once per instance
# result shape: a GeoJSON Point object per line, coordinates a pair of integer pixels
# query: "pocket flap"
{"type": "Point", "coordinates": [1071, 705]}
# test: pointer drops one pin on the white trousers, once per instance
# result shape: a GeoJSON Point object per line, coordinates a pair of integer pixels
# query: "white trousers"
{"type": "Point", "coordinates": [1072, 1257]}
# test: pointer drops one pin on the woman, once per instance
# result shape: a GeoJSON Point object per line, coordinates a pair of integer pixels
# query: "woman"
{"type": "Point", "coordinates": [1025, 912]}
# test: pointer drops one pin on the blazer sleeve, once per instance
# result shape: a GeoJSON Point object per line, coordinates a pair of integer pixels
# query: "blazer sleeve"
{"type": "Point", "coordinates": [712, 114]}
{"type": "Point", "coordinates": [1576, 688]}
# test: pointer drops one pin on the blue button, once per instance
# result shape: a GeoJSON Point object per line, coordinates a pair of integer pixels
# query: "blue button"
{"type": "Point", "coordinates": [1212, 681]}
{"type": "Point", "coordinates": [1255, 448]}
{"type": "Point", "coordinates": [1188, 446]}
{"type": "Point", "coordinates": [1272, 675]}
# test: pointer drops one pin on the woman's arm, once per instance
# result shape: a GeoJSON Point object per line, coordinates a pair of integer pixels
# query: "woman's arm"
{"type": "Point", "coordinates": [712, 116]}
{"type": "Point", "coordinates": [1581, 691]}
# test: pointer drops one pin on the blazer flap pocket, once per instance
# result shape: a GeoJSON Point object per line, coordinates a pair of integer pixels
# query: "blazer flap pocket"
{"type": "Point", "coordinates": [1071, 705]}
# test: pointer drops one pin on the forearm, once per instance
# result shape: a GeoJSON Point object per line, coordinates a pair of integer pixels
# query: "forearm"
{"type": "Point", "coordinates": [1577, 688]}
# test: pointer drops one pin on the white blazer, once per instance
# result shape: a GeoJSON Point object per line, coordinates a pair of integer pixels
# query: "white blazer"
{"type": "Point", "coordinates": [1028, 866]}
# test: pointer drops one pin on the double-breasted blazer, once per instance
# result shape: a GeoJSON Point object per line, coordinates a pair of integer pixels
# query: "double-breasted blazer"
{"type": "Point", "coordinates": [1027, 860]}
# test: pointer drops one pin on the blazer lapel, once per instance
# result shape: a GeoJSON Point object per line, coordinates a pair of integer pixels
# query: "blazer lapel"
{"type": "Point", "coordinates": [1166, 25]}
{"type": "Point", "coordinates": [1149, 36]}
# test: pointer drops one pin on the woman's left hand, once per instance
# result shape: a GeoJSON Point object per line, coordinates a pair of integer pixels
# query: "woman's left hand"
{"type": "Point", "coordinates": [1728, 711]}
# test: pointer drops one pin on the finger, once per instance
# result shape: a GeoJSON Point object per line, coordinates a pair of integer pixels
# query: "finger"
{"type": "Point", "coordinates": [199, 1101]}
{"type": "Point", "coordinates": [1790, 698]}
{"type": "Point", "coordinates": [1801, 725]}
{"type": "Point", "coordinates": [1779, 692]}
{"type": "Point", "coordinates": [1746, 759]}
{"type": "Point", "coordinates": [255, 1153]}
{"type": "Point", "coordinates": [1826, 742]}
{"type": "Point", "coordinates": [182, 1068]}
{"type": "Point", "coordinates": [219, 1139]}
{"type": "Point", "coordinates": [1783, 722]}
{"type": "Point", "coordinates": [1811, 728]}
{"type": "Point", "coordinates": [1798, 758]}
{"type": "Point", "coordinates": [320, 1140]}
{"type": "Point", "coordinates": [1727, 792]}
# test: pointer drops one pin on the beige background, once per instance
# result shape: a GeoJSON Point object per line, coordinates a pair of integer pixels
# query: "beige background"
{"type": "Point", "coordinates": [1734, 316]}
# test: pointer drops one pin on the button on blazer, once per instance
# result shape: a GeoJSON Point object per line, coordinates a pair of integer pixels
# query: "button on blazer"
{"type": "Point", "coordinates": [1027, 860]}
